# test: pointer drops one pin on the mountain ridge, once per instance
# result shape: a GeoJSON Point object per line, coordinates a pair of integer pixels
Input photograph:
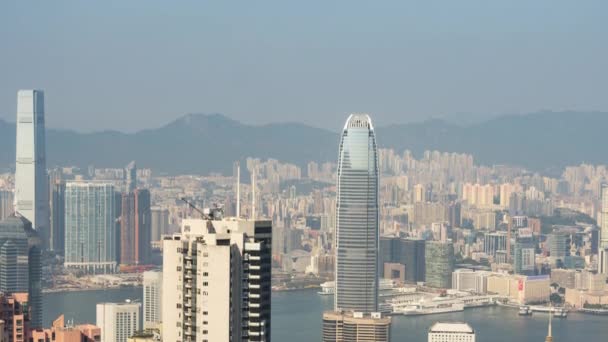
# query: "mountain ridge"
{"type": "Point", "coordinates": [202, 143]}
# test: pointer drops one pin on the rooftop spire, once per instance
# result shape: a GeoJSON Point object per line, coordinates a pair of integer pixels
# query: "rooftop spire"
{"type": "Point", "coordinates": [549, 335]}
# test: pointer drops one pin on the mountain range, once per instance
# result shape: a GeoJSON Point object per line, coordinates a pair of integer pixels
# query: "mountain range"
{"type": "Point", "coordinates": [203, 143]}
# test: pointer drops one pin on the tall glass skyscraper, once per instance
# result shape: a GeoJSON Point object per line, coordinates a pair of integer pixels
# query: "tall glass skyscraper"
{"type": "Point", "coordinates": [357, 218]}
{"type": "Point", "coordinates": [31, 180]}
{"type": "Point", "coordinates": [90, 237]}
{"type": "Point", "coordinates": [603, 250]}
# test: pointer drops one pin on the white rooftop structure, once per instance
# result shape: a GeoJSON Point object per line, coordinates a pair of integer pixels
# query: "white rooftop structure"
{"type": "Point", "coordinates": [451, 332]}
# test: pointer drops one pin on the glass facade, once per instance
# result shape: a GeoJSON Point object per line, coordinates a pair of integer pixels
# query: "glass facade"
{"type": "Point", "coordinates": [357, 218]}
{"type": "Point", "coordinates": [439, 257]}
{"type": "Point", "coordinates": [90, 227]}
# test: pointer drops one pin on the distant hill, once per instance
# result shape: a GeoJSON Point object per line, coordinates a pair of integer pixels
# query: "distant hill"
{"type": "Point", "coordinates": [199, 143]}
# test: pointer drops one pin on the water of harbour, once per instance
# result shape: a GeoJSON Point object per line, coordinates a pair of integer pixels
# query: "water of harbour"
{"type": "Point", "coordinates": [296, 317]}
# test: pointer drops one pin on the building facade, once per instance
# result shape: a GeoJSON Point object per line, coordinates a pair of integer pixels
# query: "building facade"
{"type": "Point", "coordinates": [135, 227]}
{"type": "Point", "coordinates": [439, 261]}
{"type": "Point", "coordinates": [118, 321]}
{"type": "Point", "coordinates": [451, 332]}
{"type": "Point", "coordinates": [31, 180]}
{"type": "Point", "coordinates": [21, 264]}
{"type": "Point", "coordinates": [218, 270]}
{"type": "Point", "coordinates": [153, 284]}
{"type": "Point", "coordinates": [57, 209]}
{"type": "Point", "coordinates": [357, 218]}
{"type": "Point", "coordinates": [355, 327]}
{"type": "Point", "coordinates": [90, 234]}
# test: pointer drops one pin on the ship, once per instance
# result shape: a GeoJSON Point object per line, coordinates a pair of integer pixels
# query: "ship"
{"type": "Point", "coordinates": [327, 288]}
{"type": "Point", "coordinates": [429, 308]}
{"type": "Point", "coordinates": [525, 310]}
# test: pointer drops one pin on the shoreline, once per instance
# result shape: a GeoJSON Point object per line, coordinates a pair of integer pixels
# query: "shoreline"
{"type": "Point", "coordinates": [87, 289]}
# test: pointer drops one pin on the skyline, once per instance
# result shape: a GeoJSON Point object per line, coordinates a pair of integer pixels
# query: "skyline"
{"type": "Point", "coordinates": [262, 63]}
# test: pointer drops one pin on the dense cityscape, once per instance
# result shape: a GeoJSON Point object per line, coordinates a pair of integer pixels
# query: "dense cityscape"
{"type": "Point", "coordinates": [384, 233]}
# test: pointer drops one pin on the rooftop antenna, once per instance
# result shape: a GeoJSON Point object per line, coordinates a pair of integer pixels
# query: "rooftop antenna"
{"type": "Point", "coordinates": [549, 333]}
{"type": "Point", "coordinates": [253, 194]}
{"type": "Point", "coordinates": [238, 189]}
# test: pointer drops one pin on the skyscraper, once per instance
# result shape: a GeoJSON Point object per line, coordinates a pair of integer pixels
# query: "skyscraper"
{"type": "Point", "coordinates": [439, 258]}
{"type": "Point", "coordinates": [159, 223]}
{"type": "Point", "coordinates": [57, 208]}
{"type": "Point", "coordinates": [90, 227]}
{"type": "Point", "coordinates": [603, 247]}
{"type": "Point", "coordinates": [216, 280]}
{"type": "Point", "coordinates": [130, 177]}
{"type": "Point", "coordinates": [7, 206]}
{"type": "Point", "coordinates": [31, 180]}
{"type": "Point", "coordinates": [20, 263]}
{"type": "Point", "coordinates": [135, 227]}
{"type": "Point", "coordinates": [117, 321]}
{"type": "Point", "coordinates": [357, 218]}
{"type": "Point", "coordinates": [153, 284]}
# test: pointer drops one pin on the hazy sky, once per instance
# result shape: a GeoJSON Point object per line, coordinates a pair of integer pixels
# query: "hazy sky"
{"type": "Point", "coordinates": [133, 64]}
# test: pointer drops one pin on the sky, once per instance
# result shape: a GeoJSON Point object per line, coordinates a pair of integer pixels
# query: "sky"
{"type": "Point", "coordinates": [136, 64]}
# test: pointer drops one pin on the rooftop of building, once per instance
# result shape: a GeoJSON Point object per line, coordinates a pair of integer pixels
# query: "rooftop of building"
{"type": "Point", "coordinates": [359, 120]}
{"type": "Point", "coordinates": [358, 317]}
{"type": "Point", "coordinates": [451, 327]}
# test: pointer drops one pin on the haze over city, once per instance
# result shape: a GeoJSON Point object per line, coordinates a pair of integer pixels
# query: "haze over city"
{"type": "Point", "coordinates": [344, 171]}
{"type": "Point", "coordinates": [131, 65]}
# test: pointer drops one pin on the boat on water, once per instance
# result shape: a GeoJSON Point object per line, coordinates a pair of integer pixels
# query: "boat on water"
{"type": "Point", "coordinates": [525, 311]}
{"type": "Point", "coordinates": [428, 308]}
{"type": "Point", "coordinates": [559, 312]}
{"type": "Point", "coordinates": [327, 288]}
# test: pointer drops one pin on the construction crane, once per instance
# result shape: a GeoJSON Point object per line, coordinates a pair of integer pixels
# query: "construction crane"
{"type": "Point", "coordinates": [203, 215]}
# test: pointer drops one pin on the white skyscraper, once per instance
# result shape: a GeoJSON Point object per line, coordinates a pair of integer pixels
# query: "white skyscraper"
{"type": "Point", "coordinates": [357, 218]}
{"type": "Point", "coordinates": [117, 321]}
{"type": "Point", "coordinates": [153, 283]}
{"type": "Point", "coordinates": [216, 280]}
{"type": "Point", "coordinates": [31, 180]}
{"type": "Point", "coordinates": [451, 332]}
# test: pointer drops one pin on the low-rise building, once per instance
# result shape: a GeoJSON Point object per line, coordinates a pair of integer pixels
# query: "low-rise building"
{"type": "Point", "coordinates": [451, 332]}
{"type": "Point", "coordinates": [60, 332]}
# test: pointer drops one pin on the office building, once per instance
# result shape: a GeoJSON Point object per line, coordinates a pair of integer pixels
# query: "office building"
{"type": "Point", "coordinates": [357, 218]}
{"type": "Point", "coordinates": [31, 179]}
{"type": "Point", "coordinates": [355, 327]}
{"type": "Point", "coordinates": [90, 242]}
{"type": "Point", "coordinates": [439, 264]}
{"type": "Point", "coordinates": [470, 281]}
{"type": "Point", "coordinates": [7, 206]}
{"type": "Point", "coordinates": [135, 227]}
{"type": "Point", "coordinates": [217, 281]}
{"type": "Point", "coordinates": [159, 223]}
{"type": "Point", "coordinates": [57, 209]}
{"type": "Point", "coordinates": [524, 257]}
{"type": "Point", "coordinates": [403, 251]}
{"type": "Point", "coordinates": [118, 321]}
{"type": "Point", "coordinates": [559, 247]}
{"type": "Point", "coordinates": [130, 177]}
{"type": "Point", "coordinates": [494, 242]}
{"type": "Point", "coordinates": [21, 264]}
{"type": "Point", "coordinates": [603, 245]}
{"type": "Point", "coordinates": [153, 284]}
{"type": "Point", "coordinates": [451, 332]}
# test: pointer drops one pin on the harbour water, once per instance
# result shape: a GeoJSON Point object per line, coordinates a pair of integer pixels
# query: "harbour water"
{"type": "Point", "coordinates": [296, 317]}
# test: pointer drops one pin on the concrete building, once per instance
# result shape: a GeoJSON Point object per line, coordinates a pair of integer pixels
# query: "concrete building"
{"type": "Point", "coordinates": [451, 332]}
{"type": "Point", "coordinates": [7, 206]}
{"type": "Point", "coordinates": [216, 280]}
{"type": "Point", "coordinates": [603, 245]}
{"type": "Point", "coordinates": [355, 327]}
{"type": "Point", "coordinates": [406, 252]}
{"type": "Point", "coordinates": [159, 223]}
{"type": "Point", "coordinates": [153, 284]}
{"type": "Point", "coordinates": [31, 180]}
{"type": "Point", "coordinates": [118, 321]}
{"type": "Point", "coordinates": [90, 233]}
{"type": "Point", "coordinates": [57, 220]}
{"type": "Point", "coordinates": [357, 218]}
{"type": "Point", "coordinates": [21, 264]}
{"type": "Point", "coordinates": [470, 281]}
{"type": "Point", "coordinates": [14, 312]}
{"type": "Point", "coordinates": [135, 227]}
{"type": "Point", "coordinates": [521, 289]}
{"type": "Point", "coordinates": [439, 264]}
{"type": "Point", "coordinates": [62, 332]}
